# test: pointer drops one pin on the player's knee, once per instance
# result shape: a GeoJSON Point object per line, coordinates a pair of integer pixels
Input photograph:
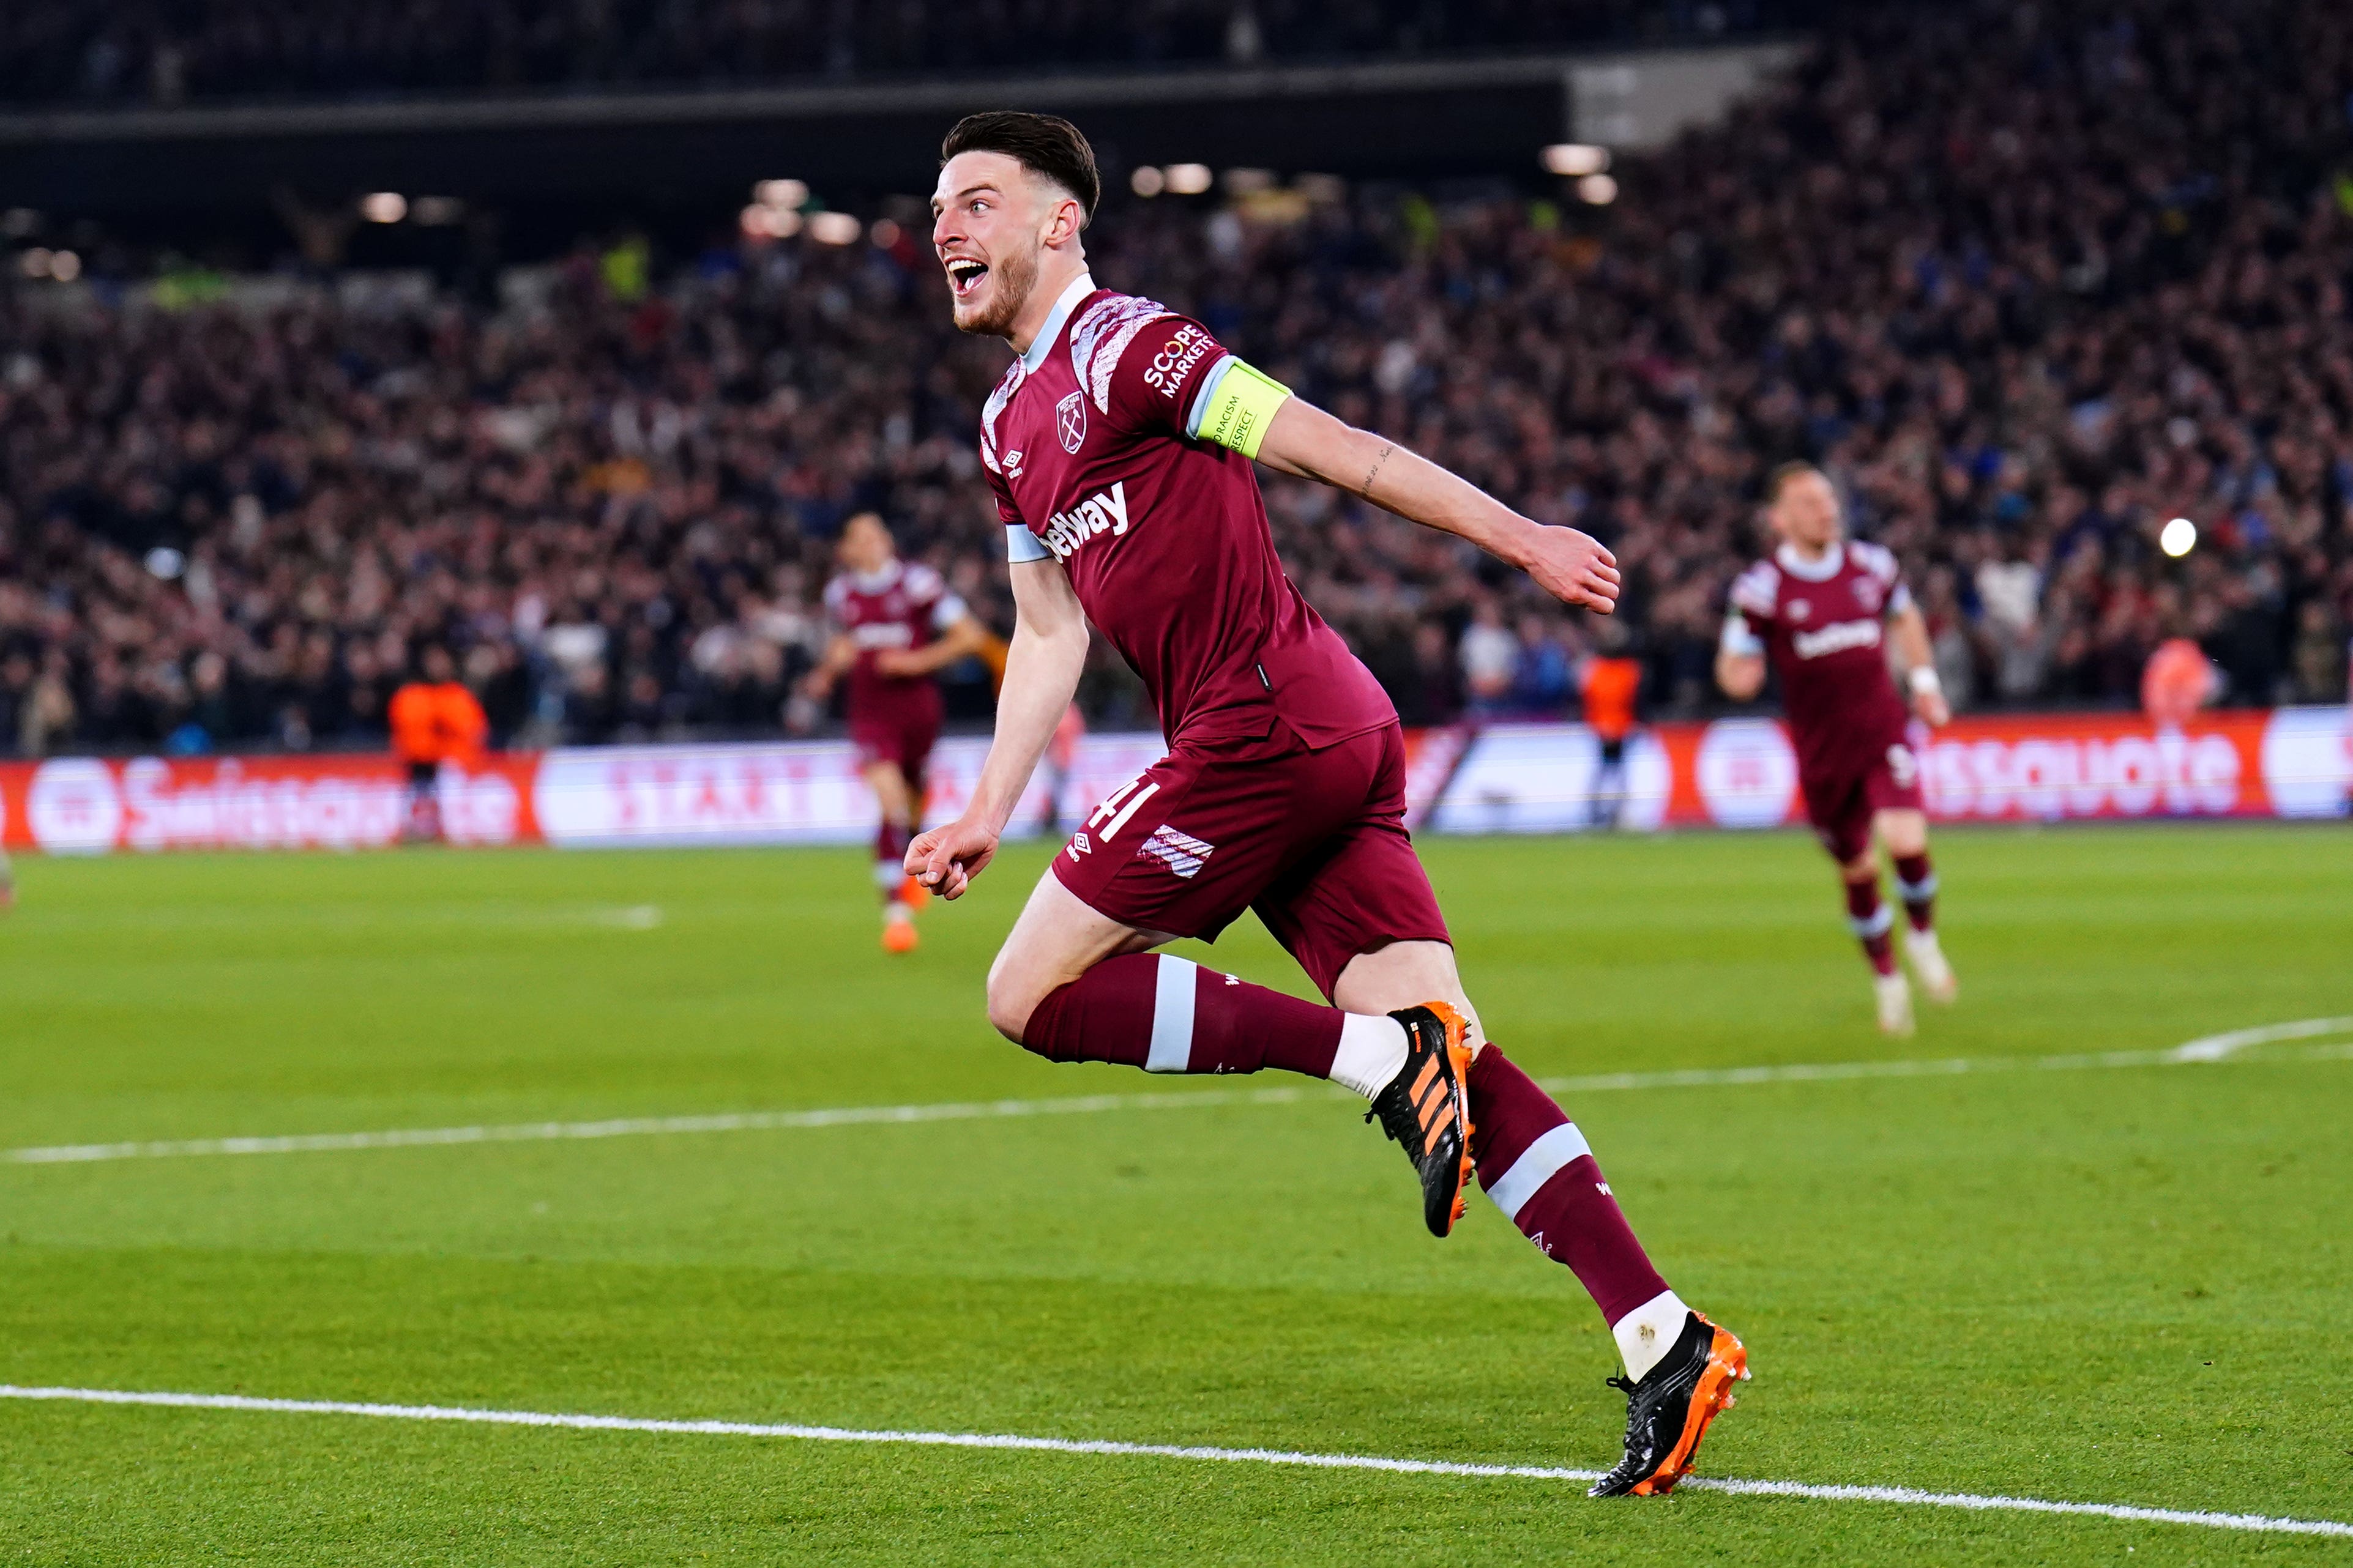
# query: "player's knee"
{"type": "Point", "coordinates": [1010, 1002]}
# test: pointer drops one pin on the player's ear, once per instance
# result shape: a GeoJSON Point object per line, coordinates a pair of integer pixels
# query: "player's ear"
{"type": "Point", "coordinates": [1064, 221]}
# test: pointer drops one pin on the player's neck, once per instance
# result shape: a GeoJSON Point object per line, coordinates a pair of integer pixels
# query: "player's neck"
{"type": "Point", "coordinates": [1045, 308]}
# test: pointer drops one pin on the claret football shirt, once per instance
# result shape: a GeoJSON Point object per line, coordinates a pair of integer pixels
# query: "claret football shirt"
{"type": "Point", "coordinates": [1120, 446]}
{"type": "Point", "coordinates": [1822, 622]}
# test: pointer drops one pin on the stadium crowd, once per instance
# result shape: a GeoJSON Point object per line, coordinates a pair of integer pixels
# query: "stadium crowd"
{"type": "Point", "coordinates": [2028, 281]}
{"type": "Point", "coordinates": [168, 52]}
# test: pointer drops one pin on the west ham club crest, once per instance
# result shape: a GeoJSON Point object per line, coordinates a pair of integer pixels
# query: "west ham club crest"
{"type": "Point", "coordinates": [1071, 421]}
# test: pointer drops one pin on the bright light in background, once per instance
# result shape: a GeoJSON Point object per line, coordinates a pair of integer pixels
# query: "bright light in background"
{"type": "Point", "coordinates": [65, 267]}
{"type": "Point", "coordinates": [384, 206]}
{"type": "Point", "coordinates": [781, 193]}
{"type": "Point", "coordinates": [165, 563]}
{"type": "Point", "coordinates": [1188, 179]}
{"type": "Point", "coordinates": [884, 233]}
{"type": "Point", "coordinates": [1575, 158]}
{"type": "Point", "coordinates": [1599, 189]}
{"type": "Point", "coordinates": [834, 229]}
{"type": "Point", "coordinates": [35, 263]}
{"type": "Point", "coordinates": [2178, 538]}
{"type": "Point", "coordinates": [1147, 181]}
{"type": "Point", "coordinates": [1248, 182]}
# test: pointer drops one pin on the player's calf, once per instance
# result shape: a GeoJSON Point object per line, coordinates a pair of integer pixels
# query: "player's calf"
{"type": "Point", "coordinates": [1916, 883]}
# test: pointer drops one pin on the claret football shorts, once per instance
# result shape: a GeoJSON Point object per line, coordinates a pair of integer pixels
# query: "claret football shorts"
{"type": "Point", "coordinates": [1313, 840]}
{"type": "Point", "coordinates": [1840, 805]}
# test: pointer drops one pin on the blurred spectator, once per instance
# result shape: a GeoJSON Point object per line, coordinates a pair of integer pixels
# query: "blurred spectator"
{"type": "Point", "coordinates": [90, 51]}
{"type": "Point", "coordinates": [2027, 282]}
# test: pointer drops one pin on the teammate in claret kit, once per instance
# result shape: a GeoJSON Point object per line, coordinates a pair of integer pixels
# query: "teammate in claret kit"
{"type": "Point", "coordinates": [1119, 446]}
{"type": "Point", "coordinates": [896, 626]}
{"type": "Point", "coordinates": [1822, 606]}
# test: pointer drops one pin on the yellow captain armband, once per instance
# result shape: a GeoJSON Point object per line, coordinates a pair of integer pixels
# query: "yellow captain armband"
{"type": "Point", "coordinates": [1235, 407]}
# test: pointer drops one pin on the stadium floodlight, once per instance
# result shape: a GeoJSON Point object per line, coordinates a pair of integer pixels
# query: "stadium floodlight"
{"type": "Point", "coordinates": [1188, 179]}
{"type": "Point", "coordinates": [834, 229]}
{"type": "Point", "coordinates": [65, 265]}
{"type": "Point", "coordinates": [1575, 159]}
{"type": "Point", "coordinates": [2178, 538]}
{"type": "Point", "coordinates": [384, 206]}
{"type": "Point", "coordinates": [1599, 189]}
{"type": "Point", "coordinates": [1147, 181]}
{"type": "Point", "coordinates": [781, 193]}
{"type": "Point", "coordinates": [34, 263]}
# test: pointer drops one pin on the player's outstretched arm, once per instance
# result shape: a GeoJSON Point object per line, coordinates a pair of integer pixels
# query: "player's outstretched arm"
{"type": "Point", "coordinates": [1041, 673]}
{"type": "Point", "coordinates": [840, 653]}
{"type": "Point", "coordinates": [1304, 441]}
{"type": "Point", "coordinates": [965, 636]}
{"type": "Point", "coordinates": [1909, 630]}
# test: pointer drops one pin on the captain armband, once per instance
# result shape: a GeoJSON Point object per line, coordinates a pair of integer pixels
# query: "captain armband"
{"type": "Point", "coordinates": [1236, 406]}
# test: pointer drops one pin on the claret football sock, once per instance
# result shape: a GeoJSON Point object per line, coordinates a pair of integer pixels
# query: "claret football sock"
{"type": "Point", "coordinates": [890, 842]}
{"type": "Point", "coordinates": [1166, 1013]}
{"type": "Point", "coordinates": [1536, 1165]}
{"type": "Point", "coordinates": [1872, 921]}
{"type": "Point", "coordinates": [1916, 880]}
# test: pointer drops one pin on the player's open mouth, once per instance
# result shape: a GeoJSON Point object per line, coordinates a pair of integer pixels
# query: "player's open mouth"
{"type": "Point", "coordinates": [964, 275]}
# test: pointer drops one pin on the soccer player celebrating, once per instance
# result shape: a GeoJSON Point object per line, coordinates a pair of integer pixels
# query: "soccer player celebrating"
{"type": "Point", "coordinates": [1119, 446]}
{"type": "Point", "coordinates": [1819, 606]}
{"type": "Point", "coordinates": [898, 624]}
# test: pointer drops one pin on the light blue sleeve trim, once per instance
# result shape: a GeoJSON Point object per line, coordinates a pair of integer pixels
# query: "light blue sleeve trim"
{"type": "Point", "coordinates": [1738, 639]}
{"type": "Point", "coordinates": [1020, 544]}
{"type": "Point", "coordinates": [1201, 398]}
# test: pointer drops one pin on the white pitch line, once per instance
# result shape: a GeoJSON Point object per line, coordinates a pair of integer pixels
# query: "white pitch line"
{"type": "Point", "coordinates": [2209, 1050]}
{"type": "Point", "coordinates": [2264, 1524]}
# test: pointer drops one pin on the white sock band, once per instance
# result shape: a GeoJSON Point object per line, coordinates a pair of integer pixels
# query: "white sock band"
{"type": "Point", "coordinates": [1371, 1053]}
{"type": "Point", "coordinates": [1537, 1163]}
{"type": "Point", "coordinates": [888, 874]}
{"type": "Point", "coordinates": [1650, 1331]}
{"type": "Point", "coordinates": [1172, 1015]}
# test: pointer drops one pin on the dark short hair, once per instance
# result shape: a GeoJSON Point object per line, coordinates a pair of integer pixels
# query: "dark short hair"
{"type": "Point", "coordinates": [1044, 144]}
{"type": "Point", "coordinates": [1779, 479]}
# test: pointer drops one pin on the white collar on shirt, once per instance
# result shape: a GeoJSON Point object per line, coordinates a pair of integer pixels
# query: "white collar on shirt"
{"type": "Point", "coordinates": [1043, 344]}
{"type": "Point", "coordinates": [877, 582]}
{"type": "Point", "coordinates": [1821, 570]}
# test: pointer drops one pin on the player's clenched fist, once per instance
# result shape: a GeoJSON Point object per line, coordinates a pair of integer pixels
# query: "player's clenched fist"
{"type": "Point", "coordinates": [1573, 567]}
{"type": "Point", "coordinates": [946, 859]}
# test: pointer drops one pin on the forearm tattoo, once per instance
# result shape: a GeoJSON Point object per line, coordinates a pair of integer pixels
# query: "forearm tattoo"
{"type": "Point", "coordinates": [1366, 488]}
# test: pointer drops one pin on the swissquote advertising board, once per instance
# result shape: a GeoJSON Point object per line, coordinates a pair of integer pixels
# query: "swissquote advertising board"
{"type": "Point", "coordinates": [1501, 778]}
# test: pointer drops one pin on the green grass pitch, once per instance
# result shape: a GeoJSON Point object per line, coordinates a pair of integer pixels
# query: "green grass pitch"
{"type": "Point", "coordinates": [2117, 1286]}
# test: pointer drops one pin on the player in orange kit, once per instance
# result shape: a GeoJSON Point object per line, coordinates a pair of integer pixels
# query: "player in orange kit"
{"type": "Point", "coordinates": [434, 720]}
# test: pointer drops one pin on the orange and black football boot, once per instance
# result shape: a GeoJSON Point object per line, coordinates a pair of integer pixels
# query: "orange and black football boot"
{"type": "Point", "coordinates": [1427, 1108]}
{"type": "Point", "coordinates": [1667, 1410]}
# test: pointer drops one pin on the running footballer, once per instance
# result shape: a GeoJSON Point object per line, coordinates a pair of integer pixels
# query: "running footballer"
{"type": "Point", "coordinates": [1819, 607]}
{"type": "Point", "coordinates": [1119, 446]}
